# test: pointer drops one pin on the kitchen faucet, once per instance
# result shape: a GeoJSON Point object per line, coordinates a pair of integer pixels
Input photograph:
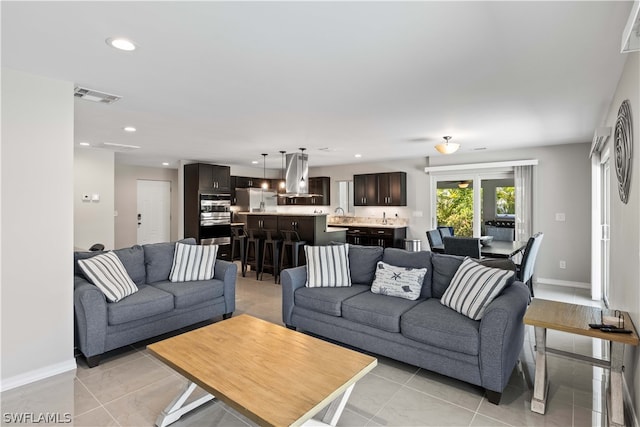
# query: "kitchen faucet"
{"type": "Point", "coordinates": [384, 218]}
{"type": "Point", "coordinates": [339, 209]}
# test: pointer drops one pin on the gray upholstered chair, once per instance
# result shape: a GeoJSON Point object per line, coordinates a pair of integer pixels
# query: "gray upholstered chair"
{"type": "Point", "coordinates": [445, 231]}
{"type": "Point", "coordinates": [434, 238]}
{"type": "Point", "coordinates": [525, 269]}
{"type": "Point", "coordinates": [465, 246]}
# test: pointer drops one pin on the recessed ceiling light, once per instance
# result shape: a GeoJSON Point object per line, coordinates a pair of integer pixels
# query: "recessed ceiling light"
{"type": "Point", "coordinates": [165, 163]}
{"type": "Point", "coordinates": [129, 129]}
{"type": "Point", "coordinates": [358, 156]}
{"type": "Point", "coordinates": [255, 162]}
{"type": "Point", "coordinates": [120, 43]}
{"type": "Point", "coordinates": [85, 144]}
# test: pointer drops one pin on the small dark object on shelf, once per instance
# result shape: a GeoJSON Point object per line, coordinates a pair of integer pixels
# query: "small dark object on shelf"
{"type": "Point", "coordinates": [616, 330]}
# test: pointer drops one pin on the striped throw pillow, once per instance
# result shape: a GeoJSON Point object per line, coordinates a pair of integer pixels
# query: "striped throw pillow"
{"type": "Point", "coordinates": [193, 262]}
{"type": "Point", "coordinates": [107, 272]}
{"type": "Point", "coordinates": [327, 266]}
{"type": "Point", "coordinates": [473, 287]}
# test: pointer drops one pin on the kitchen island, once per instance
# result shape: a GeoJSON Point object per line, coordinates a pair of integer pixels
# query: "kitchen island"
{"type": "Point", "coordinates": [311, 227]}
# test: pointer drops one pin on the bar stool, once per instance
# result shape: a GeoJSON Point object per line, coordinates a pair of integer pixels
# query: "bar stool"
{"type": "Point", "coordinates": [238, 237]}
{"type": "Point", "coordinates": [291, 240]}
{"type": "Point", "coordinates": [253, 251]}
{"type": "Point", "coordinates": [270, 254]}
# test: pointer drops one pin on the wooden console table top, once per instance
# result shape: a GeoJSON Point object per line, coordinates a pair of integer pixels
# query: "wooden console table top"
{"type": "Point", "coordinates": [272, 375]}
{"type": "Point", "coordinates": [575, 319]}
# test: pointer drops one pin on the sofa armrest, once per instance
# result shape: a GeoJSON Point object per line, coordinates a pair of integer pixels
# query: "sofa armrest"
{"type": "Point", "coordinates": [90, 307]}
{"type": "Point", "coordinates": [290, 280]}
{"type": "Point", "coordinates": [502, 336]}
{"type": "Point", "coordinates": [227, 272]}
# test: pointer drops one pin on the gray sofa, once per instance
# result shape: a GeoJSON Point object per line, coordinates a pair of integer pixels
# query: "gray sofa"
{"type": "Point", "coordinates": [158, 307]}
{"type": "Point", "coordinates": [423, 332]}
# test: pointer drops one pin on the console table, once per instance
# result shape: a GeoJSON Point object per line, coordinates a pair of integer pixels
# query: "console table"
{"type": "Point", "coordinates": [544, 314]}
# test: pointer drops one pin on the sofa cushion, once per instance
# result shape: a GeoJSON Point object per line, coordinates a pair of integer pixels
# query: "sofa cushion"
{"type": "Point", "coordinates": [362, 263]}
{"type": "Point", "coordinates": [444, 267]}
{"type": "Point", "coordinates": [402, 282]}
{"type": "Point", "coordinates": [420, 259]}
{"type": "Point", "coordinates": [432, 323]}
{"type": "Point", "coordinates": [193, 262]}
{"type": "Point", "coordinates": [132, 258]}
{"type": "Point", "coordinates": [148, 301]}
{"type": "Point", "coordinates": [327, 266]}
{"type": "Point", "coordinates": [107, 272]}
{"type": "Point", "coordinates": [158, 259]}
{"type": "Point", "coordinates": [379, 311]}
{"type": "Point", "coordinates": [186, 294]}
{"type": "Point", "coordinates": [473, 287]}
{"type": "Point", "coordinates": [326, 300]}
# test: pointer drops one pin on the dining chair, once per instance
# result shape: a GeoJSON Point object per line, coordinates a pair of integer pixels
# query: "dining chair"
{"type": "Point", "coordinates": [445, 231]}
{"type": "Point", "coordinates": [524, 270]}
{"type": "Point", "coordinates": [465, 246]}
{"type": "Point", "coordinates": [434, 238]}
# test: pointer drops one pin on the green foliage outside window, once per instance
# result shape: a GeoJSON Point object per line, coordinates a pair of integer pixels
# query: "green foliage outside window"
{"type": "Point", "coordinates": [505, 200]}
{"type": "Point", "coordinates": [455, 209]}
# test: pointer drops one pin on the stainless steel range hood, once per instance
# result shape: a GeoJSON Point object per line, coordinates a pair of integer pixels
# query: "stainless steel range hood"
{"type": "Point", "coordinates": [297, 175]}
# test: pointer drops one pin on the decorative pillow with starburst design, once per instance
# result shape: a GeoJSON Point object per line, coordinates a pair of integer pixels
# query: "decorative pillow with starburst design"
{"type": "Point", "coordinates": [403, 282]}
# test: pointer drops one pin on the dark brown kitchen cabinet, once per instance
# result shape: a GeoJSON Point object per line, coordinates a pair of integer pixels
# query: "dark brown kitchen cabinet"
{"type": "Point", "coordinates": [209, 178]}
{"type": "Point", "coordinates": [392, 189]}
{"type": "Point", "coordinates": [385, 237]}
{"type": "Point", "coordinates": [380, 189]}
{"type": "Point", "coordinates": [262, 222]}
{"type": "Point", "coordinates": [304, 225]}
{"type": "Point", "coordinates": [320, 185]}
{"type": "Point", "coordinates": [365, 191]}
{"type": "Point", "coordinates": [247, 182]}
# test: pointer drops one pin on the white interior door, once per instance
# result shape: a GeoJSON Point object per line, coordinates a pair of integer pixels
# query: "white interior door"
{"type": "Point", "coordinates": [154, 211]}
{"type": "Point", "coordinates": [604, 233]}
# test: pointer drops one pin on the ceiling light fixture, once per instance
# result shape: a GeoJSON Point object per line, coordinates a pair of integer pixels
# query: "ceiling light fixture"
{"type": "Point", "coordinates": [463, 184]}
{"type": "Point", "coordinates": [357, 156]}
{"type": "Point", "coordinates": [265, 184]}
{"type": "Point", "coordinates": [283, 184]}
{"type": "Point", "coordinates": [447, 147]}
{"type": "Point", "coordinates": [129, 129]}
{"type": "Point", "coordinates": [121, 43]}
{"type": "Point", "coordinates": [165, 163]}
{"type": "Point", "coordinates": [254, 162]}
{"type": "Point", "coordinates": [85, 144]}
{"type": "Point", "coordinates": [302, 183]}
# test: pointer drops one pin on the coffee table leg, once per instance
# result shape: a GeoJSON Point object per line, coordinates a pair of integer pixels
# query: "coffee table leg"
{"type": "Point", "coordinates": [334, 411]}
{"type": "Point", "coordinates": [616, 402]}
{"type": "Point", "coordinates": [541, 384]}
{"type": "Point", "coordinates": [175, 409]}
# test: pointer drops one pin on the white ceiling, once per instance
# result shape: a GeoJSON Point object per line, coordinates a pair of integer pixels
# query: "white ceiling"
{"type": "Point", "coordinates": [226, 81]}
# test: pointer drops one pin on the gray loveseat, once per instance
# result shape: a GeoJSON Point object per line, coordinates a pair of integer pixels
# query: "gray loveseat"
{"type": "Point", "coordinates": [423, 332]}
{"type": "Point", "coordinates": [158, 307]}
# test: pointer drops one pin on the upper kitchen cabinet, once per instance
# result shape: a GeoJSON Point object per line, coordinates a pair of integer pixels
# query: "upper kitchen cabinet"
{"type": "Point", "coordinates": [380, 189]}
{"type": "Point", "coordinates": [320, 185]}
{"type": "Point", "coordinates": [209, 178]}
{"type": "Point", "coordinates": [392, 189]}
{"type": "Point", "coordinates": [365, 190]}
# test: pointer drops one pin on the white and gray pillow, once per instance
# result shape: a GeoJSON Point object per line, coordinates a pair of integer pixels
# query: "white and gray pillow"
{"type": "Point", "coordinates": [473, 287]}
{"type": "Point", "coordinates": [403, 282]}
{"type": "Point", "coordinates": [193, 262]}
{"type": "Point", "coordinates": [107, 272]}
{"type": "Point", "coordinates": [327, 266]}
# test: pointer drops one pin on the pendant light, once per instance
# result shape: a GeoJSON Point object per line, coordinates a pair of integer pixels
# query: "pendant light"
{"type": "Point", "coordinates": [282, 182]}
{"type": "Point", "coordinates": [447, 147]}
{"type": "Point", "coordinates": [302, 183]}
{"type": "Point", "coordinates": [265, 184]}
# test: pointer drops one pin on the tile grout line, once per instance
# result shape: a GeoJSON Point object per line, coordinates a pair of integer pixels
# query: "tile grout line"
{"type": "Point", "coordinates": [97, 400]}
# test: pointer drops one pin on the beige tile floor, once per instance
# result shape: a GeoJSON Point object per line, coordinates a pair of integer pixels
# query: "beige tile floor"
{"type": "Point", "coordinates": [130, 387]}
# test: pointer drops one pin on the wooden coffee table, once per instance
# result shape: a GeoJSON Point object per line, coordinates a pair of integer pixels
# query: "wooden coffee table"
{"type": "Point", "coordinates": [272, 375]}
{"type": "Point", "coordinates": [575, 319]}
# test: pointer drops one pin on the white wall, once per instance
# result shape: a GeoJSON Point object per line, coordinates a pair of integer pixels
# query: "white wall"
{"type": "Point", "coordinates": [126, 200]}
{"type": "Point", "coordinates": [625, 222]}
{"type": "Point", "coordinates": [93, 175]}
{"type": "Point", "coordinates": [562, 186]}
{"type": "Point", "coordinates": [37, 228]}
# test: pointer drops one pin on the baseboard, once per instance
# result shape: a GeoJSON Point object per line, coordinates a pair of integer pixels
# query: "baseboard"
{"type": "Point", "coordinates": [628, 403]}
{"type": "Point", "coordinates": [565, 283]}
{"type": "Point", "coordinates": [37, 374]}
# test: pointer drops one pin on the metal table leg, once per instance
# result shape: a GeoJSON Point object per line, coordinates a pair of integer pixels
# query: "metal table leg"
{"type": "Point", "coordinates": [175, 409]}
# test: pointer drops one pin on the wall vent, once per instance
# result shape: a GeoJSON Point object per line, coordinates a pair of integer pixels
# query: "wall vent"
{"type": "Point", "coordinates": [94, 95]}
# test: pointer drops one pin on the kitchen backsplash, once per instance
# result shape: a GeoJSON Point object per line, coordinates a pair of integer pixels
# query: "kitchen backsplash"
{"type": "Point", "coordinates": [344, 220]}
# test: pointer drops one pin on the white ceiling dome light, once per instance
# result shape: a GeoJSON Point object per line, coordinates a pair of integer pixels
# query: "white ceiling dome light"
{"type": "Point", "coordinates": [447, 147]}
{"type": "Point", "coordinates": [121, 43]}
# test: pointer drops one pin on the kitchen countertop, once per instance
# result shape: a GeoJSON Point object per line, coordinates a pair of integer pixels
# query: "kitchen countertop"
{"type": "Point", "coordinates": [284, 213]}
{"type": "Point", "coordinates": [369, 225]}
{"type": "Point", "coordinates": [333, 229]}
